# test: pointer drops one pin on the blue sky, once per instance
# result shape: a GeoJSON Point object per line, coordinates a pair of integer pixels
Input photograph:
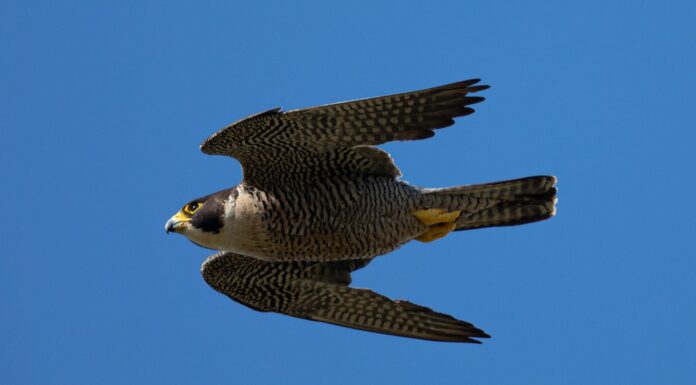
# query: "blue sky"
{"type": "Point", "coordinates": [103, 105]}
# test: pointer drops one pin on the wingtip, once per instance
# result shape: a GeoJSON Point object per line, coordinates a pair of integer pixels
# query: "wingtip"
{"type": "Point", "coordinates": [474, 89]}
{"type": "Point", "coordinates": [469, 100]}
{"type": "Point", "coordinates": [478, 333]}
{"type": "Point", "coordinates": [472, 339]}
{"type": "Point", "coordinates": [465, 87]}
{"type": "Point", "coordinates": [483, 334]}
{"type": "Point", "coordinates": [472, 84]}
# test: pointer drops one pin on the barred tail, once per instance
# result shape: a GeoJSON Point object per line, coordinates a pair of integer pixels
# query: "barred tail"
{"type": "Point", "coordinates": [507, 203]}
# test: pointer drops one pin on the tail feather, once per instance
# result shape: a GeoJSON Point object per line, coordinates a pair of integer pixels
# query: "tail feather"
{"type": "Point", "coordinates": [506, 203]}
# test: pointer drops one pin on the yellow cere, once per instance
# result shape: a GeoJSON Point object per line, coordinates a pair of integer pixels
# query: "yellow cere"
{"type": "Point", "coordinates": [181, 217]}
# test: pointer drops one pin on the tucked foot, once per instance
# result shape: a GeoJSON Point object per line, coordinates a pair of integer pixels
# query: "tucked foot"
{"type": "Point", "coordinates": [436, 232]}
{"type": "Point", "coordinates": [431, 217]}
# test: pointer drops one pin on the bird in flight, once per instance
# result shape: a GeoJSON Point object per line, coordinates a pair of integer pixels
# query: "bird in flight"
{"type": "Point", "coordinates": [318, 201]}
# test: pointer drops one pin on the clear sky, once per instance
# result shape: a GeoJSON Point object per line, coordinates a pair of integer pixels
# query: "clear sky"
{"type": "Point", "coordinates": [103, 106]}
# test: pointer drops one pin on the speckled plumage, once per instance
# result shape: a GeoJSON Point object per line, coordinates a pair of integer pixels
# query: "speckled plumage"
{"type": "Point", "coordinates": [314, 188]}
{"type": "Point", "coordinates": [295, 147]}
{"type": "Point", "coordinates": [317, 198]}
{"type": "Point", "coordinates": [333, 219]}
{"type": "Point", "coordinates": [320, 292]}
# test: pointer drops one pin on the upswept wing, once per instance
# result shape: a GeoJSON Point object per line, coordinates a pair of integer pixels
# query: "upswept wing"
{"type": "Point", "coordinates": [320, 139]}
{"type": "Point", "coordinates": [320, 292]}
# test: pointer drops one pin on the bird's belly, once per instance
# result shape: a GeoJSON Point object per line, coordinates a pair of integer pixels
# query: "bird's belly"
{"type": "Point", "coordinates": [319, 226]}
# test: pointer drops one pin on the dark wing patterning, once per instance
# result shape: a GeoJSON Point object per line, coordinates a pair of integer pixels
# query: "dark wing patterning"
{"type": "Point", "coordinates": [323, 139]}
{"type": "Point", "coordinates": [320, 292]}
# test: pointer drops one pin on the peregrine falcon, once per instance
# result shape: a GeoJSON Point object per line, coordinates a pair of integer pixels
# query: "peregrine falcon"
{"type": "Point", "coordinates": [318, 200]}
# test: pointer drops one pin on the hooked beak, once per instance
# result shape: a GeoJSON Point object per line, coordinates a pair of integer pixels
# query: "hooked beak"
{"type": "Point", "coordinates": [176, 223]}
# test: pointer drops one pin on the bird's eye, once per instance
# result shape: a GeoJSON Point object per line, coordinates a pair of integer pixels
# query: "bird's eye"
{"type": "Point", "coordinates": [192, 207]}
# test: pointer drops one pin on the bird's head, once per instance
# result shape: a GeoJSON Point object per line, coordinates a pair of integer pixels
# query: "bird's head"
{"type": "Point", "coordinates": [200, 220]}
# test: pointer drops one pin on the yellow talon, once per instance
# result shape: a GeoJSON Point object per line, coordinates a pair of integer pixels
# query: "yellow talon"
{"type": "Point", "coordinates": [439, 221]}
{"type": "Point", "coordinates": [436, 232]}
{"type": "Point", "coordinates": [431, 217]}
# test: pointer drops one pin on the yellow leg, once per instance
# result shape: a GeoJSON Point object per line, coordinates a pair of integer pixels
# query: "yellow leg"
{"type": "Point", "coordinates": [436, 232]}
{"type": "Point", "coordinates": [440, 222]}
{"type": "Point", "coordinates": [431, 217]}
